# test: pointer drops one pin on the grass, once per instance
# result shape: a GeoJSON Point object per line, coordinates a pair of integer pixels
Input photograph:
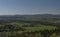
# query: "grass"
{"type": "Point", "coordinates": [41, 28]}
{"type": "Point", "coordinates": [30, 29]}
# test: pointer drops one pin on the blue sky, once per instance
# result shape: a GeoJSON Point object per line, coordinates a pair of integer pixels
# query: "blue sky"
{"type": "Point", "coordinates": [11, 7]}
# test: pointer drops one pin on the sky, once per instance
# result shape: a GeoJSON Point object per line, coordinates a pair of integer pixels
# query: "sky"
{"type": "Point", "coordinates": [12, 7]}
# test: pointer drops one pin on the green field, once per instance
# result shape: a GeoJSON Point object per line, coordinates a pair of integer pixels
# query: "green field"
{"type": "Point", "coordinates": [23, 30]}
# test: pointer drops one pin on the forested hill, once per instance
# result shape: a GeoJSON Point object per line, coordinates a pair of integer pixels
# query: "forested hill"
{"type": "Point", "coordinates": [36, 18]}
{"type": "Point", "coordinates": [32, 16]}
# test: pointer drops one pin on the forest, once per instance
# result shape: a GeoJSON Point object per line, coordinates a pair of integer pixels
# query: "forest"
{"type": "Point", "coordinates": [45, 25]}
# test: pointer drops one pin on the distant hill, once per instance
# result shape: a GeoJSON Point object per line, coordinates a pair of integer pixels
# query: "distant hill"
{"type": "Point", "coordinates": [14, 17]}
{"type": "Point", "coordinates": [46, 19]}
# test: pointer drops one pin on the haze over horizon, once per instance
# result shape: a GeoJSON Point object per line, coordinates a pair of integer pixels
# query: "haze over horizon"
{"type": "Point", "coordinates": [12, 7]}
